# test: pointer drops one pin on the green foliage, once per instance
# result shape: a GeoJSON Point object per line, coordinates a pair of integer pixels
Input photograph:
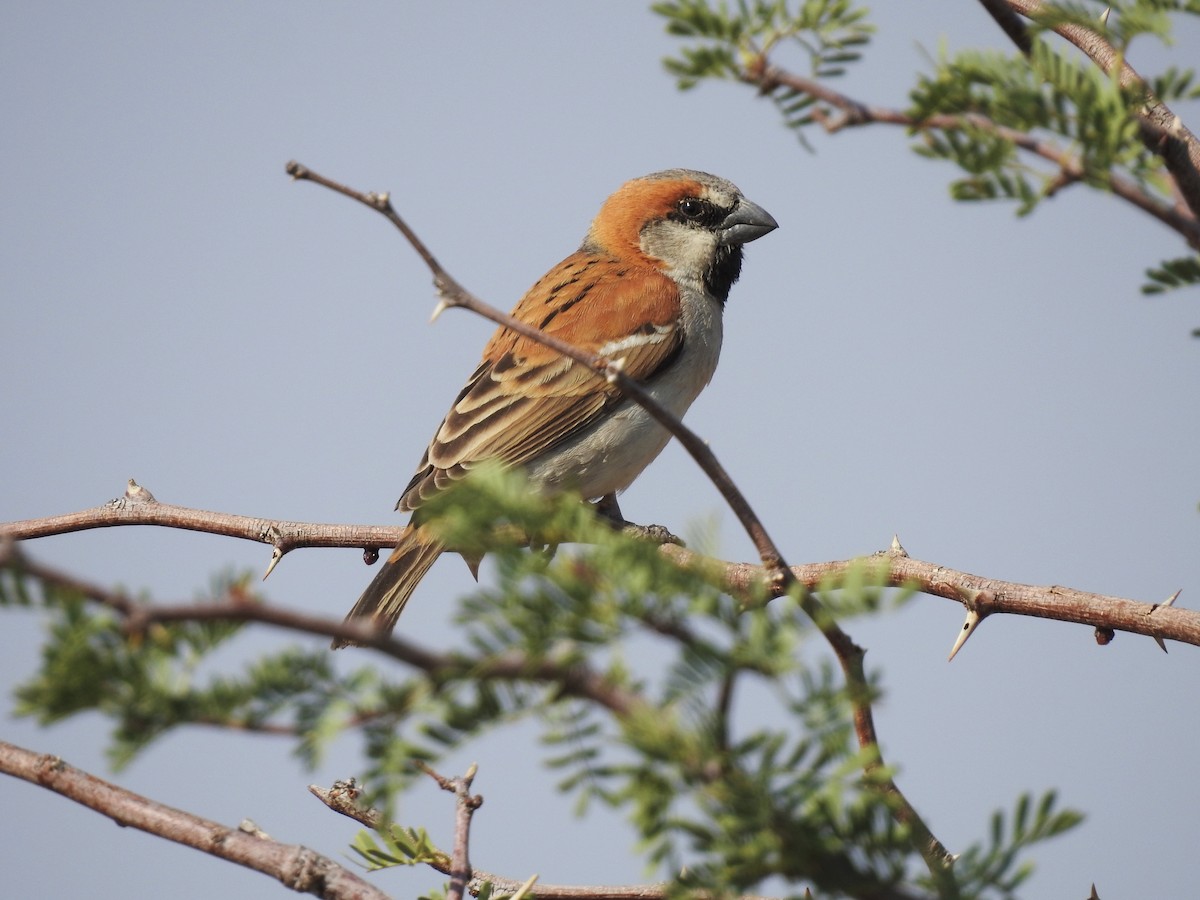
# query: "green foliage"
{"type": "Point", "coordinates": [720, 729]}
{"type": "Point", "coordinates": [727, 38]}
{"type": "Point", "coordinates": [987, 107]}
{"type": "Point", "coordinates": [397, 846]}
{"type": "Point", "coordinates": [1174, 273]}
{"type": "Point", "coordinates": [144, 683]}
{"type": "Point", "coordinates": [994, 865]}
{"type": "Point", "coordinates": [1018, 129]}
{"type": "Point", "coordinates": [1120, 22]}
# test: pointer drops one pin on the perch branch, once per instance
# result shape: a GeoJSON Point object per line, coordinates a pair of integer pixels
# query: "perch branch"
{"type": "Point", "coordinates": [743, 580]}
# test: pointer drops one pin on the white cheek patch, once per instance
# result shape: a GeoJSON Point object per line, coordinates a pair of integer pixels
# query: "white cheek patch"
{"type": "Point", "coordinates": [686, 251]}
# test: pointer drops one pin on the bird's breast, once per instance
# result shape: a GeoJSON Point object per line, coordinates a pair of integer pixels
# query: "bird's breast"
{"type": "Point", "coordinates": [606, 457]}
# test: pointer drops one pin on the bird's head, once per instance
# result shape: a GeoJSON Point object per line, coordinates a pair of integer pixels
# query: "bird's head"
{"type": "Point", "coordinates": [689, 224]}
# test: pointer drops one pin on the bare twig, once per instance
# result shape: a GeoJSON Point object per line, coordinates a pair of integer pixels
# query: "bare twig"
{"type": "Point", "coordinates": [465, 804]}
{"type": "Point", "coordinates": [282, 535]}
{"type": "Point", "coordinates": [993, 596]}
{"type": "Point", "coordinates": [297, 868]}
{"type": "Point", "coordinates": [279, 533]}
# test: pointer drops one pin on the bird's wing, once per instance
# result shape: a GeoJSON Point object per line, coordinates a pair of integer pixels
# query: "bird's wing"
{"type": "Point", "coordinates": [525, 398]}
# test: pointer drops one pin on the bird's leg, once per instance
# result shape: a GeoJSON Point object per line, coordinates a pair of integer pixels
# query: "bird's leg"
{"type": "Point", "coordinates": [608, 511]}
{"type": "Point", "coordinates": [606, 507]}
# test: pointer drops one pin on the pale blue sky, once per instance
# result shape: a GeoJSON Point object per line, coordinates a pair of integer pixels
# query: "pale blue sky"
{"type": "Point", "coordinates": [175, 309]}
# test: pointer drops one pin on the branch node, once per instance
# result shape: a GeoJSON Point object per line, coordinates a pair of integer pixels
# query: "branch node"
{"type": "Point", "coordinates": [136, 493]}
{"type": "Point", "coordinates": [614, 369]}
{"type": "Point", "coordinates": [1162, 645]}
{"type": "Point", "coordinates": [250, 827]}
{"type": "Point", "coordinates": [273, 536]}
{"type": "Point", "coordinates": [342, 798]}
{"type": "Point", "coordinates": [1170, 601]}
{"type": "Point", "coordinates": [525, 888]}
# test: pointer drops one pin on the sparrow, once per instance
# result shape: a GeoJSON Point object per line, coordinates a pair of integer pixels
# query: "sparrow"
{"type": "Point", "coordinates": [647, 286]}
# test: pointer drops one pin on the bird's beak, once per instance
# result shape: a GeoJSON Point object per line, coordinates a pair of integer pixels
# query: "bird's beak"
{"type": "Point", "coordinates": [748, 222]}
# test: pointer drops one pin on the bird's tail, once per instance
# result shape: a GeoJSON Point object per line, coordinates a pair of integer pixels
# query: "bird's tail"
{"type": "Point", "coordinates": [382, 602]}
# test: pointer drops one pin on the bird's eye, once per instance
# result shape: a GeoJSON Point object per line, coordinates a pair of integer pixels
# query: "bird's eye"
{"type": "Point", "coordinates": [692, 208]}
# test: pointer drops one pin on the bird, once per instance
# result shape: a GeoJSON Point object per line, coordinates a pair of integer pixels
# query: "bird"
{"type": "Point", "coordinates": [647, 287]}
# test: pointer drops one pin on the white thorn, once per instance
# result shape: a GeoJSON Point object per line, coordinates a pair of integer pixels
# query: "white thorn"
{"type": "Point", "coordinates": [276, 556]}
{"type": "Point", "coordinates": [973, 620]}
{"type": "Point", "coordinates": [1162, 645]}
{"type": "Point", "coordinates": [897, 549]}
{"type": "Point", "coordinates": [1104, 15]}
{"type": "Point", "coordinates": [441, 307]}
{"type": "Point", "coordinates": [525, 888]}
{"type": "Point", "coordinates": [136, 493]}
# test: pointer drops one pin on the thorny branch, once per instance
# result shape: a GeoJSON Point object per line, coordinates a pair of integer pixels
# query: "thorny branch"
{"type": "Point", "coordinates": [990, 596]}
{"type": "Point", "coordinates": [297, 868]}
{"type": "Point", "coordinates": [343, 797]}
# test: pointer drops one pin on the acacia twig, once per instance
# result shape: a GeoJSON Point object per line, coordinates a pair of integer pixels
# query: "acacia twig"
{"type": "Point", "coordinates": [343, 798]}
{"type": "Point", "coordinates": [1162, 131]}
{"type": "Point", "coordinates": [854, 113]}
{"type": "Point", "coordinates": [296, 867]}
{"type": "Point", "coordinates": [465, 804]}
{"type": "Point", "coordinates": [282, 534]}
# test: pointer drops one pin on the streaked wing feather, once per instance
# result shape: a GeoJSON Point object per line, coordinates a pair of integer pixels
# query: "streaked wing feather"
{"type": "Point", "coordinates": [524, 398]}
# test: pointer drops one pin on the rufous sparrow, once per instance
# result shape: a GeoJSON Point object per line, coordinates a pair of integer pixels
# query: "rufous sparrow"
{"type": "Point", "coordinates": [648, 285]}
